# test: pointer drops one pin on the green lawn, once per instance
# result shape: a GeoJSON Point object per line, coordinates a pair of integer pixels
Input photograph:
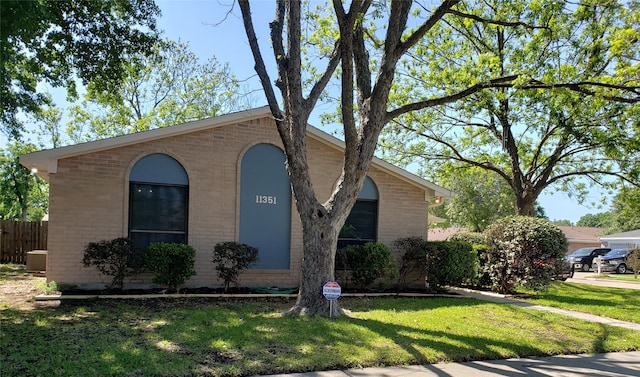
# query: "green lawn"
{"type": "Point", "coordinates": [618, 303]}
{"type": "Point", "coordinates": [176, 337]}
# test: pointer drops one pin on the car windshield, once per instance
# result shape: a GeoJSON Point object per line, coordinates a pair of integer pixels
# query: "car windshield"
{"type": "Point", "coordinates": [582, 252]}
{"type": "Point", "coordinates": [617, 253]}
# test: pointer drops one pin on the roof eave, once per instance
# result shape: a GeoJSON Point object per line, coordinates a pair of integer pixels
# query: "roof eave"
{"type": "Point", "coordinates": [46, 161]}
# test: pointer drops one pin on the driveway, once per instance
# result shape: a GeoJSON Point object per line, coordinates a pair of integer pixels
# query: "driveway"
{"type": "Point", "coordinates": [589, 278]}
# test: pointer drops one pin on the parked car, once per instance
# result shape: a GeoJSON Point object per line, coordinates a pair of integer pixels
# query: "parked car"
{"type": "Point", "coordinates": [615, 260]}
{"type": "Point", "coordinates": [582, 259]}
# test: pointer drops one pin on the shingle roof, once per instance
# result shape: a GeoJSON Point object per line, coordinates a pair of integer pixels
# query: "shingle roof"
{"type": "Point", "coordinates": [633, 234]}
{"type": "Point", "coordinates": [581, 233]}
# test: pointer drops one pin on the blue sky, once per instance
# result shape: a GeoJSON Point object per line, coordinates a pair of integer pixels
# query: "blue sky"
{"type": "Point", "coordinates": [212, 28]}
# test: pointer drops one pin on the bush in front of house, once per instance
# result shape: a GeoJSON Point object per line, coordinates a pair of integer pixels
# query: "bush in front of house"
{"type": "Point", "coordinates": [473, 238]}
{"type": "Point", "coordinates": [482, 277]}
{"type": "Point", "coordinates": [171, 263]}
{"type": "Point", "coordinates": [523, 251]}
{"type": "Point", "coordinates": [367, 263]}
{"type": "Point", "coordinates": [449, 263]}
{"type": "Point", "coordinates": [230, 258]}
{"type": "Point", "coordinates": [413, 258]}
{"type": "Point", "coordinates": [115, 258]}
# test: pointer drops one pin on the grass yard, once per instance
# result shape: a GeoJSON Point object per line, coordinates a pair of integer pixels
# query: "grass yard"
{"type": "Point", "coordinates": [179, 337]}
{"type": "Point", "coordinates": [618, 303]}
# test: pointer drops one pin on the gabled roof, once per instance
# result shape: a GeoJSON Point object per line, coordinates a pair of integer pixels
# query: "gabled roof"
{"type": "Point", "coordinates": [630, 235]}
{"type": "Point", "coordinates": [45, 162]}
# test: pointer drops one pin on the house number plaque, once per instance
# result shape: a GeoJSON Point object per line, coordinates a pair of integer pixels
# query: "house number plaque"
{"type": "Point", "coordinates": [264, 199]}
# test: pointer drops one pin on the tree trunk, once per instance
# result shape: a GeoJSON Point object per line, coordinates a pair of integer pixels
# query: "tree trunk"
{"type": "Point", "coordinates": [525, 204]}
{"type": "Point", "coordinates": [320, 237]}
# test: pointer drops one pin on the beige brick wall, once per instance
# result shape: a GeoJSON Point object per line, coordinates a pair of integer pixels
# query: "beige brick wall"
{"type": "Point", "coordinates": [89, 202]}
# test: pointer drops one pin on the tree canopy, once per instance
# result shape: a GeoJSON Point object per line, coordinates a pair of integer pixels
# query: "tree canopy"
{"type": "Point", "coordinates": [167, 87]}
{"type": "Point", "coordinates": [57, 42]}
{"type": "Point", "coordinates": [23, 196]}
{"type": "Point", "coordinates": [559, 100]}
{"type": "Point", "coordinates": [623, 216]}
{"type": "Point", "coordinates": [481, 197]}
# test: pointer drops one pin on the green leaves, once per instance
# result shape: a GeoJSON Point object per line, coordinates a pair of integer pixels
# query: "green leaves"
{"type": "Point", "coordinates": [23, 196]}
{"type": "Point", "coordinates": [169, 87]}
{"type": "Point", "coordinates": [550, 95]}
{"type": "Point", "coordinates": [53, 41]}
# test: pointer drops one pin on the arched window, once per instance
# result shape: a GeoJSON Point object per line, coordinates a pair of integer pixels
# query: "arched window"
{"type": "Point", "coordinates": [362, 223]}
{"type": "Point", "coordinates": [158, 201]}
{"type": "Point", "coordinates": [265, 206]}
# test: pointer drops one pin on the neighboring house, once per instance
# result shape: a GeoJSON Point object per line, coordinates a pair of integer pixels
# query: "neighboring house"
{"type": "Point", "coordinates": [622, 240]}
{"type": "Point", "coordinates": [581, 236]}
{"type": "Point", "coordinates": [442, 234]}
{"type": "Point", "coordinates": [210, 181]}
{"type": "Point", "coordinates": [577, 236]}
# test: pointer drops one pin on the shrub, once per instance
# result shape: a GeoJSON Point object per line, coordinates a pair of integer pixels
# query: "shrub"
{"type": "Point", "coordinates": [523, 251]}
{"type": "Point", "coordinates": [449, 263]}
{"type": "Point", "coordinates": [473, 238]}
{"type": "Point", "coordinates": [368, 262]}
{"type": "Point", "coordinates": [413, 258]}
{"type": "Point", "coordinates": [633, 260]}
{"type": "Point", "coordinates": [116, 258]}
{"type": "Point", "coordinates": [172, 263]}
{"type": "Point", "coordinates": [230, 258]}
{"type": "Point", "coordinates": [482, 277]}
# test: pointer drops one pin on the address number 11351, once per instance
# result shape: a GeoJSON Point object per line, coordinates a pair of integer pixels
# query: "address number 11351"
{"type": "Point", "coordinates": [264, 199]}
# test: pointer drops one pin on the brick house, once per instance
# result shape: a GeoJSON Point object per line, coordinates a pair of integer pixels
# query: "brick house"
{"type": "Point", "coordinates": [209, 181]}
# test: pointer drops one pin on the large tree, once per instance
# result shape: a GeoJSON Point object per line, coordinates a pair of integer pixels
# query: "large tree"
{"type": "Point", "coordinates": [560, 124]}
{"type": "Point", "coordinates": [23, 196]}
{"type": "Point", "coordinates": [369, 42]}
{"type": "Point", "coordinates": [481, 197]}
{"type": "Point", "coordinates": [166, 87]}
{"type": "Point", "coordinates": [55, 42]}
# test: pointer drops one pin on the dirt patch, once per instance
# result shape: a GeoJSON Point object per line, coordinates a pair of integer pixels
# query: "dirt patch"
{"type": "Point", "coordinates": [18, 288]}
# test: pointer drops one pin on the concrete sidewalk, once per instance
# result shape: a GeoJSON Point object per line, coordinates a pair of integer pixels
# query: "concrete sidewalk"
{"type": "Point", "coordinates": [618, 364]}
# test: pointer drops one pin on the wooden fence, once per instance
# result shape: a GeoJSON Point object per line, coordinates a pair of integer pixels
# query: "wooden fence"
{"type": "Point", "coordinates": [19, 237]}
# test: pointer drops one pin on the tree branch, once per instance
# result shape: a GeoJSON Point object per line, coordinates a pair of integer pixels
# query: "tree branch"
{"type": "Point", "coordinates": [494, 22]}
{"type": "Point", "coordinates": [260, 67]}
{"type": "Point", "coordinates": [508, 82]}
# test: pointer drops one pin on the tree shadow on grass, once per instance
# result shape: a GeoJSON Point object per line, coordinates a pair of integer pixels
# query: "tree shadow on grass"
{"type": "Point", "coordinates": [226, 337]}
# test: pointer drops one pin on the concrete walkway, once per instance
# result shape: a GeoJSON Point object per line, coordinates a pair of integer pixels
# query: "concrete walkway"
{"type": "Point", "coordinates": [501, 299]}
{"type": "Point", "coordinates": [588, 278]}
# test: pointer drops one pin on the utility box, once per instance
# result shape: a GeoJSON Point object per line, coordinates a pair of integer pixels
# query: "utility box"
{"type": "Point", "coordinates": [36, 261]}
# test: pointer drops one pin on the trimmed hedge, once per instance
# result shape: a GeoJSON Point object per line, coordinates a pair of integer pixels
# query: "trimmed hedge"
{"type": "Point", "coordinates": [367, 263]}
{"type": "Point", "coordinates": [413, 258]}
{"type": "Point", "coordinates": [473, 238]}
{"type": "Point", "coordinates": [171, 263]}
{"type": "Point", "coordinates": [449, 263]}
